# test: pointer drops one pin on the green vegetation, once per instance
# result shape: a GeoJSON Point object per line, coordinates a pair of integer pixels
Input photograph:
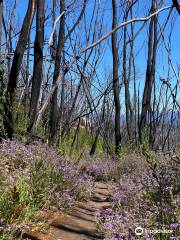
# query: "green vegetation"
{"type": "Point", "coordinates": [34, 177]}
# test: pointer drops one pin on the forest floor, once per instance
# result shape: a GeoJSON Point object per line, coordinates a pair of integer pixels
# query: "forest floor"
{"type": "Point", "coordinates": [45, 196]}
{"type": "Point", "coordinates": [79, 222]}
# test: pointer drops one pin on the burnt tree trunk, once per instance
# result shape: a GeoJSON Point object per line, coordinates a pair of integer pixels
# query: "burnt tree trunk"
{"type": "Point", "coordinates": [1, 71]}
{"type": "Point", "coordinates": [150, 72]}
{"type": "Point", "coordinates": [16, 66]}
{"type": "Point", "coordinates": [27, 80]}
{"type": "Point", "coordinates": [1, 21]}
{"type": "Point", "coordinates": [58, 57]}
{"type": "Point", "coordinates": [116, 81]}
{"type": "Point", "coordinates": [98, 130]}
{"type": "Point", "coordinates": [126, 86]}
{"type": "Point", "coordinates": [38, 63]}
{"type": "Point", "coordinates": [54, 43]}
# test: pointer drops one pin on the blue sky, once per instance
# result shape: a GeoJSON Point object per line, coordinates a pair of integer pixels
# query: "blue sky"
{"type": "Point", "coordinates": [140, 43]}
{"type": "Point", "coordinates": [22, 7]}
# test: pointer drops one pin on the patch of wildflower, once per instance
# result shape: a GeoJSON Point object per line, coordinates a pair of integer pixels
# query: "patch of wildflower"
{"type": "Point", "coordinates": [100, 169]}
{"type": "Point", "coordinates": [147, 197]}
{"type": "Point", "coordinates": [33, 176]}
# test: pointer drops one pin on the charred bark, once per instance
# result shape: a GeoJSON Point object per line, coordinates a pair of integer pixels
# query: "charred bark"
{"type": "Point", "coordinates": [16, 66]}
{"type": "Point", "coordinates": [54, 103]}
{"type": "Point", "coordinates": [38, 63]}
{"type": "Point", "coordinates": [150, 72]}
{"type": "Point", "coordinates": [126, 86]}
{"type": "Point", "coordinates": [1, 22]}
{"type": "Point", "coordinates": [116, 81]}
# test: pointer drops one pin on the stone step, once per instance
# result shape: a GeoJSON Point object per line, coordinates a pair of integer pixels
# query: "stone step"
{"type": "Point", "coordinates": [99, 197]}
{"type": "Point", "coordinates": [94, 205]}
{"type": "Point", "coordinates": [101, 185]}
{"type": "Point", "coordinates": [58, 234]}
{"type": "Point", "coordinates": [84, 215]}
{"type": "Point", "coordinates": [78, 224]}
{"type": "Point", "coordinates": [103, 191]}
{"type": "Point", "coordinates": [87, 212]}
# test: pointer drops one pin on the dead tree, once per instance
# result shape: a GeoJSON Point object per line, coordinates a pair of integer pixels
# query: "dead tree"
{"type": "Point", "coordinates": [126, 84]}
{"type": "Point", "coordinates": [87, 48]}
{"type": "Point", "coordinates": [1, 21]}
{"type": "Point", "coordinates": [150, 72]}
{"type": "Point", "coordinates": [116, 80]}
{"type": "Point", "coordinates": [16, 66]}
{"type": "Point", "coordinates": [98, 130]}
{"type": "Point", "coordinates": [38, 63]}
{"type": "Point", "coordinates": [132, 62]}
{"type": "Point", "coordinates": [54, 43]}
{"type": "Point", "coordinates": [54, 114]}
{"type": "Point", "coordinates": [54, 101]}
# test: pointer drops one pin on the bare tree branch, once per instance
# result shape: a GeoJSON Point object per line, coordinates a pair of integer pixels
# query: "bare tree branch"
{"type": "Point", "coordinates": [76, 58]}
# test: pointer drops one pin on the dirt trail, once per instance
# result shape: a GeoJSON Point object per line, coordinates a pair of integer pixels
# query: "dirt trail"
{"type": "Point", "coordinates": [80, 222]}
